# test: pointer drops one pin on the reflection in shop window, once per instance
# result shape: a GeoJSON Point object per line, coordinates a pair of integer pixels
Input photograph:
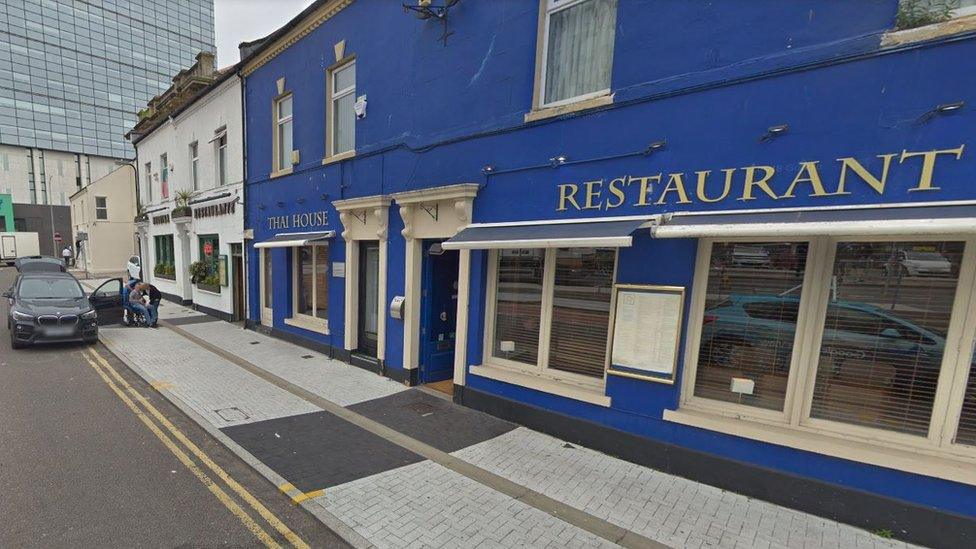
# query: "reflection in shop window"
{"type": "Point", "coordinates": [312, 280]}
{"type": "Point", "coordinates": [749, 324]}
{"type": "Point", "coordinates": [581, 310]}
{"type": "Point", "coordinates": [518, 304]}
{"type": "Point", "coordinates": [884, 333]}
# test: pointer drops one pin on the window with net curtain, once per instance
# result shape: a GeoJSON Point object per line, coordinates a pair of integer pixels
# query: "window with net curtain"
{"type": "Point", "coordinates": [343, 109]}
{"type": "Point", "coordinates": [283, 132]}
{"type": "Point", "coordinates": [573, 324]}
{"type": "Point", "coordinates": [579, 49]}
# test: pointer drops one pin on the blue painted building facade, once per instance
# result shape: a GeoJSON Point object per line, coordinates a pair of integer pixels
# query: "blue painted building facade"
{"type": "Point", "coordinates": [785, 186]}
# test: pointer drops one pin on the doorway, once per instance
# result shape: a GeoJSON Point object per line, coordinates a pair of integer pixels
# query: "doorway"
{"type": "Point", "coordinates": [368, 302]}
{"type": "Point", "coordinates": [438, 312]}
{"type": "Point", "coordinates": [237, 268]}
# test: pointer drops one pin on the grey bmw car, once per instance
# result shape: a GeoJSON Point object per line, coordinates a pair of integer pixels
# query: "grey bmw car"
{"type": "Point", "coordinates": [52, 307]}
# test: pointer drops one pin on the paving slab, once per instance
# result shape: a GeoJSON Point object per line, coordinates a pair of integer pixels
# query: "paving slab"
{"type": "Point", "coordinates": [671, 509]}
{"type": "Point", "coordinates": [331, 379]}
{"type": "Point", "coordinates": [427, 505]}
{"type": "Point", "coordinates": [215, 388]}
{"type": "Point", "coordinates": [319, 450]}
{"type": "Point", "coordinates": [433, 420]}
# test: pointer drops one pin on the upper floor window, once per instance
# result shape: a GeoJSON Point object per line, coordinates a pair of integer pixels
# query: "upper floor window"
{"type": "Point", "coordinates": [194, 163]}
{"type": "Point", "coordinates": [342, 97]}
{"type": "Point", "coordinates": [283, 133]}
{"type": "Point", "coordinates": [220, 156]}
{"type": "Point", "coordinates": [164, 175]}
{"type": "Point", "coordinates": [149, 193]}
{"type": "Point", "coordinates": [101, 208]}
{"type": "Point", "coordinates": [577, 50]}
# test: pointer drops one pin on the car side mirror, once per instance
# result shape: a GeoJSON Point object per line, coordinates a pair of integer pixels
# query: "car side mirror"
{"type": "Point", "coordinates": [8, 294]}
{"type": "Point", "coordinates": [890, 332]}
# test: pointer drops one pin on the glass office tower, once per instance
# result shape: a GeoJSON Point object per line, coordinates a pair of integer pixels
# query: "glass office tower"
{"type": "Point", "coordinates": [74, 74]}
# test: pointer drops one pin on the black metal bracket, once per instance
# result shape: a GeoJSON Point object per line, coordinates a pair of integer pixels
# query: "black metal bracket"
{"type": "Point", "coordinates": [430, 11]}
{"type": "Point", "coordinates": [360, 219]}
{"type": "Point", "coordinates": [432, 212]}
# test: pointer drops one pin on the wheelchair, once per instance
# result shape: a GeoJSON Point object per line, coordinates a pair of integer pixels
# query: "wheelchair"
{"type": "Point", "coordinates": [132, 318]}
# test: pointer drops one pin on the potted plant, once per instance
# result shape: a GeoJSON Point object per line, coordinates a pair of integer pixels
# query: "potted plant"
{"type": "Point", "coordinates": [199, 270]}
{"type": "Point", "coordinates": [182, 211]}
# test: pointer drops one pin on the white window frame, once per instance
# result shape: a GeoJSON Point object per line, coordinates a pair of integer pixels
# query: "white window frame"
{"type": "Point", "coordinates": [101, 209]}
{"type": "Point", "coordinates": [267, 310]}
{"type": "Point", "coordinates": [220, 158]}
{"type": "Point", "coordinates": [541, 368]}
{"type": "Point", "coordinates": [950, 391]}
{"type": "Point", "coordinates": [195, 164]}
{"type": "Point", "coordinates": [334, 96]}
{"type": "Point", "coordinates": [149, 191]}
{"type": "Point", "coordinates": [300, 320]}
{"type": "Point", "coordinates": [278, 122]}
{"type": "Point", "coordinates": [549, 7]}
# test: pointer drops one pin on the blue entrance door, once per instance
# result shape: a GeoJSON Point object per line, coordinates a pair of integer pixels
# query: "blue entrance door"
{"type": "Point", "coordinates": [438, 312]}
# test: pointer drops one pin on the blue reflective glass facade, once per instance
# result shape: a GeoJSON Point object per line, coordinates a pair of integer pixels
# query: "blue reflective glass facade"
{"type": "Point", "coordinates": [73, 75]}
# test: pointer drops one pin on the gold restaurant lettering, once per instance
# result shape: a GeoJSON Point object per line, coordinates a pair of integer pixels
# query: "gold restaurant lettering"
{"type": "Point", "coordinates": [299, 220]}
{"type": "Point", "coordinates": [749, 183]}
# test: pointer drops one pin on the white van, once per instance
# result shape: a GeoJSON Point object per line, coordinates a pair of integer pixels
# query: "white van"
{"type": "Point", "coordinates": [14, 245]}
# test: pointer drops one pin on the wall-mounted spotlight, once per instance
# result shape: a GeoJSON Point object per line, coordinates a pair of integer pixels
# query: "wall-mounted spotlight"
{"type": "Point", "coordinates": [773, 132]}
{"type": "Point", "coordinates": [261, 206]}
{"type": "Point", "coordinates": [325, 196]}
{"type": "Point", "coordinates": [487, 169]}
{"type": "Point", "coordinates": [281, 204]}
{"type": "Point", "coordinates": [944, 108]}
{"type": "Point", "coordinates": [655, 146]}
{"type": "Point", "coordinates": [301, 200]}
{"type": "Point", "coordinates": [557, 161]}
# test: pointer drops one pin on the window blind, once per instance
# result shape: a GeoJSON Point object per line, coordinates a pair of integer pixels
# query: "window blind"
{"type": "Point", "coordinates": [518, 306]}
{"type": "Point", "coordinates": [884, 333]}
{"type": "Point", "coordinates": [967, 421]}
{"type": "Point", "coordinates": [579, 54]}
{"type": "Point", "coordinates": [749, 323]}
{"type": "Point", "coordinates": [581, 310]}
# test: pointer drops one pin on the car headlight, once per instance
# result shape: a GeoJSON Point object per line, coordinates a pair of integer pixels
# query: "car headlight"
{"type": "Point", "coordinates": [90, 315]}
{"type": "Point", "coordinates": [21, 316]}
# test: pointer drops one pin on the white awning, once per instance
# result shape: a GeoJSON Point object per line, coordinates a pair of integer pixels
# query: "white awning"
{"type": "Point", "coordinates": [605, 232]}
{"type": "Point", "coordinates": [291, 240]}
{"type": "Point", "coordinates": [879, 220]}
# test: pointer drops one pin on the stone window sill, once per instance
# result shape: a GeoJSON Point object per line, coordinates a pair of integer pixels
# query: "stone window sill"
{"type": "Point", "coordinates": [563, 389]}
{"type": "Point", "coordinates": [338, 157]}
{"type": "Point", "coordinates": [280, 173]}
{"type": "Point", "coordinates": [936, 464]}
{"type": "Point", "coordinates": [552, 112]}
{"type": "Point", "coordinates": [309, 323]}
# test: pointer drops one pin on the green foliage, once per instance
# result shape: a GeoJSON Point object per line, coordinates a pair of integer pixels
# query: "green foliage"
{"type": "Point", "coordinates": [200, 270]}
{"type": "Point", "coordinates": [884, 533]}
{"type": "Point", "coordinates": [183, 197]}
{"type": "Point", "coordinates": [165, 270]}
{"type": "Point", "coordinates": [918, 13]}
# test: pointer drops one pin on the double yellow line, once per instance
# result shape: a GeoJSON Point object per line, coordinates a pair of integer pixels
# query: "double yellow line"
{"type": "Point", "coordinates": [166, 432]}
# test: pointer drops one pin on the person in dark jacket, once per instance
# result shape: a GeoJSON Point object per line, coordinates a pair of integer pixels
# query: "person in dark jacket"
{"type": "Point", "coordinates": [155, 296]}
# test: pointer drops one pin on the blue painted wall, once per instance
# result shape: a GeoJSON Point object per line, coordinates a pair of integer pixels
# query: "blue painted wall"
{"type": "Point", "coordinates": [709, 78]}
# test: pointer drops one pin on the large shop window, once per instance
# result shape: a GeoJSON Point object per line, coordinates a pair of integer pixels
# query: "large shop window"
{"type": "Point", "coordinates": [210, 256]}
{"type": "Point", "coordinates": [552, 310]}
{"type": "Point", "coordinates": [578, 49]}
{"type": "Point", "coordinates": [312, 282]}
{"type": "Point", "coordinates": [853, 343]}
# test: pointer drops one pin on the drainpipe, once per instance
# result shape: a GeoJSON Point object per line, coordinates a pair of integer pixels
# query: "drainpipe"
{"type": "Point", "coordinates": [244, 251]}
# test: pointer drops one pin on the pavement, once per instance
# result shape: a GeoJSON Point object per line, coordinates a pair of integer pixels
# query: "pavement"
{"type": "Point", "coordinates": [80, 468]}
{"type": "Point", "coordinates": [388, 466]}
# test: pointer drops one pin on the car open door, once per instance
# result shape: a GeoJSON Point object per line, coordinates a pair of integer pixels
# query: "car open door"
{"type": "Point", "coordinates": [107, 301]}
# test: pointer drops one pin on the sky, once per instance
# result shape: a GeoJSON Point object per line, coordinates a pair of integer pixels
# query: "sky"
{"type": "Point", "coordinates": [239, 21]}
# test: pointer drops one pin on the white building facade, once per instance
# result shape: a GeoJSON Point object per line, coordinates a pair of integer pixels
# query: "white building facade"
{"type": "Point", "coordinates": [190, 185]}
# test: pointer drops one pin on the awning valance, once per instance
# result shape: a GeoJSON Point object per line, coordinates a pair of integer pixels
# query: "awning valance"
{"type": "Point", "coordinates": [583, 233]}
{"type": "Point", "coordinates": [291, 240]}
{"type": "Point", "coordinates": [878, 220]}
